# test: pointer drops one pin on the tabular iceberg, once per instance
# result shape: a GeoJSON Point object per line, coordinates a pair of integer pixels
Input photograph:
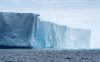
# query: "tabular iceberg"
{"type": "Point", "coordinates": [16, 29]}
{"type": "Point", "coordinates": [77, 38]}
{"type": "Point", "coordinates": [27, 30]}
{"type": "Point", "coordinates": [49, 35]}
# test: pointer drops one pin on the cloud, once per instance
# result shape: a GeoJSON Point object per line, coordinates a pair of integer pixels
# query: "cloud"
{"type": "Point", "coordinates": [50, 4]}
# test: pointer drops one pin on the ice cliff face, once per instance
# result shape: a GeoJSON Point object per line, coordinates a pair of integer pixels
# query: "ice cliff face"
{"type": "Point", "coordinates": [26, 30]}
{"type": "Point", "coordinates": [77, 38]}
{"type": "Point", "coordinates": [16, 29]}
{"type": "Point", "coordinates": [49, 35]}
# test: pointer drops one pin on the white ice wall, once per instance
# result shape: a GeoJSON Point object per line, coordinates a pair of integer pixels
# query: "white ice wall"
{"type": "Point", "coordinates": [77, 38]}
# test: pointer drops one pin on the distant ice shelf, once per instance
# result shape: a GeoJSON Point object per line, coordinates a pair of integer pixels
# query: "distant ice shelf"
{"type": "Point", "coordinates": [27, 30]}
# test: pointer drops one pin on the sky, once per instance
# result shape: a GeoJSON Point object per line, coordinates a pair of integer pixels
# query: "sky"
{"type": "Point", "coordinates": [83, 14]}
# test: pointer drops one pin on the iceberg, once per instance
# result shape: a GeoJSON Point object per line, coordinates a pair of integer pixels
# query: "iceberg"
{"type": "Point", "coordinates": [49, 35]}
{"type": "Point", "coordinates": [26, 30]}
{"type": "Point", "coordinates": [16, 29]}
{"type": "Point", "coordinates": [77, 38]}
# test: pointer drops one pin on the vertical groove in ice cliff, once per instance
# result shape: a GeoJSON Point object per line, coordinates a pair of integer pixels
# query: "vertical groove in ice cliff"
{"type": "Point", "coordinates": [33, 31]}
